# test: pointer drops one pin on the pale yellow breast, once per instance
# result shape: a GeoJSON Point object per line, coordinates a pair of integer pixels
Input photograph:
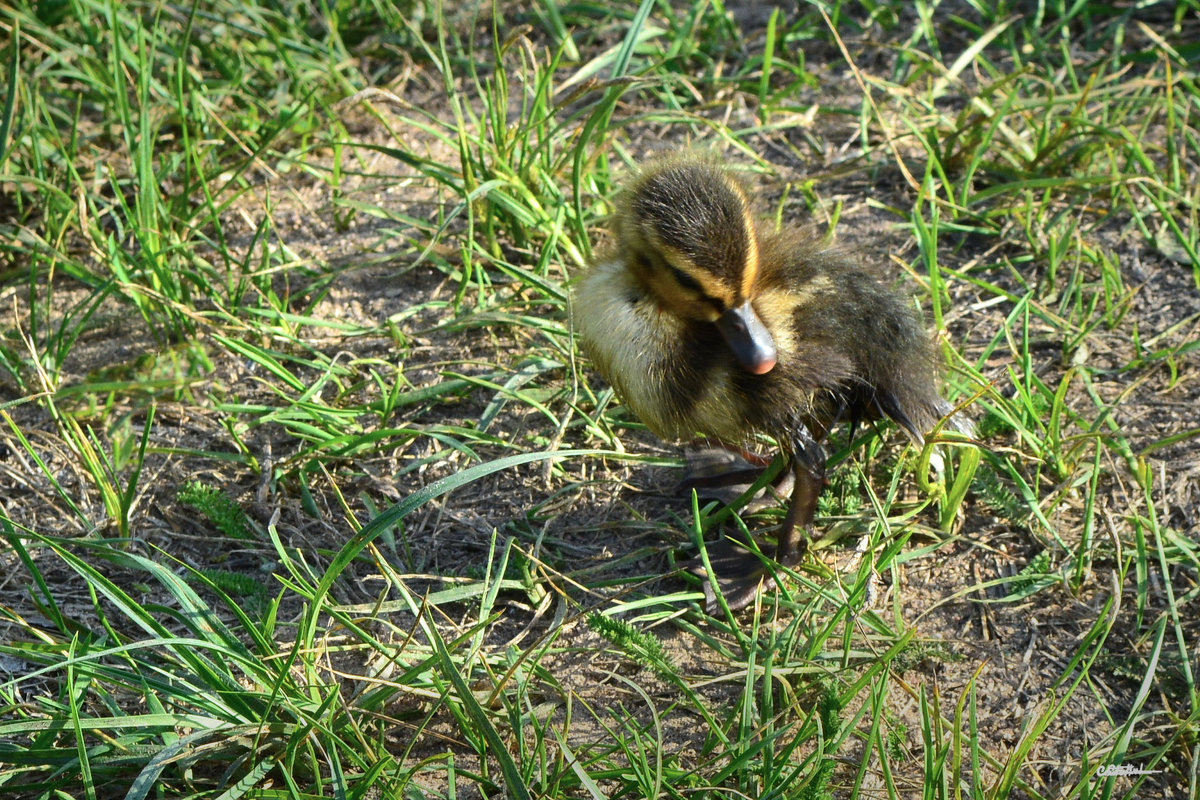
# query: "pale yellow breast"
{"type": "Point", "coordinates": [629, 342]}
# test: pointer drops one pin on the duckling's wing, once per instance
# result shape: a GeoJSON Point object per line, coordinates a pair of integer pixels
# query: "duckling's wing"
{"type": "Point", "coordinates": [934, 409]}
{"type": "Point", "coordinates": [888, 405]}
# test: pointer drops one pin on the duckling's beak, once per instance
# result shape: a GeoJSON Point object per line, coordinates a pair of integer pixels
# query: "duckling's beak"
{"type": "Point", "coordinates": [748, 338]}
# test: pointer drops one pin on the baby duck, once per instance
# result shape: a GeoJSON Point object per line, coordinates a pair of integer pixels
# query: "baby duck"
{"type": "Point", "coordinates": [708, 320]}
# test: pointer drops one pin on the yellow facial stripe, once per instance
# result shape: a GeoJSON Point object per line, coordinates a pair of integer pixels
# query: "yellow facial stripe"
{"type": "Point", "coordinates": [750, 270]}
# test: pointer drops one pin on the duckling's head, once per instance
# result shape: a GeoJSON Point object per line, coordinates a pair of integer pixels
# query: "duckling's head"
{"type": "Point", "coordinates": [686, 230]}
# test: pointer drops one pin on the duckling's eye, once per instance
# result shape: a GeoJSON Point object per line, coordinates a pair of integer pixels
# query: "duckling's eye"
{"type": "Point", "coordinates": [685, 280]}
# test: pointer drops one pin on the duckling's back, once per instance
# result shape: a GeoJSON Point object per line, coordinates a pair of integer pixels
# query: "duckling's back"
{"type": "Point", "coordinates": [860, 338]}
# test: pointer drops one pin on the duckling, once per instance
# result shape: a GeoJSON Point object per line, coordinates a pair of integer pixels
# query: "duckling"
{"type": "Point", "coordinates": [707, 319]}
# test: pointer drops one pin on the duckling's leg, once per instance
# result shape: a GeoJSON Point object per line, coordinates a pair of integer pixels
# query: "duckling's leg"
{"type": "Point", "coordinates": [808, 466]}
{"type": "Point", "coordinates": [737, 571]}
{"type": "Point", "coordinates": [798, 523]}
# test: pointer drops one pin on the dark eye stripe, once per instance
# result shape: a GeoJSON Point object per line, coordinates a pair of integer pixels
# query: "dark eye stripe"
{"type": "Point", "coordinates": [685, 280]}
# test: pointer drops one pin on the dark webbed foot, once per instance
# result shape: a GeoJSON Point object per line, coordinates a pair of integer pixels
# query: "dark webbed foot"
{"type": "Point", "coordinates": [725, 474]}
{"type": "Point", "coordinates": [738, 571]}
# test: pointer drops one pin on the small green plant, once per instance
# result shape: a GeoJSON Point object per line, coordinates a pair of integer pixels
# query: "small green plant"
{"type": "Point", "coordinates": [843, 495]}
{"type": "Point", "coordinates": [1032, 576]}
{"type": "Point", "coordinates": [226, 515]}
{"type": "Point", "coordinates": [990, 490]}
{"type": "Point", "coordinates": [642, 647]}
{"type": "Point", "coordinates": [829, 710]}
{"type": "Point", "coordinates": [236, 584]}
{"type": "Point", "coordinates": [897, 736]}
{"type": "Point", "coordinates": [920, 650]}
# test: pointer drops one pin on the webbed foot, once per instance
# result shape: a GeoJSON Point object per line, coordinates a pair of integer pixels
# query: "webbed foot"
{"type": "Point", "coordinates": [739, 572]}
{"type": "Point", "coordinates": [725, 474]}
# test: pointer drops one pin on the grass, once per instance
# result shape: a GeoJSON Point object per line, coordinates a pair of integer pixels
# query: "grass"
{"type": "Point", "coordinates": [307, 492]}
